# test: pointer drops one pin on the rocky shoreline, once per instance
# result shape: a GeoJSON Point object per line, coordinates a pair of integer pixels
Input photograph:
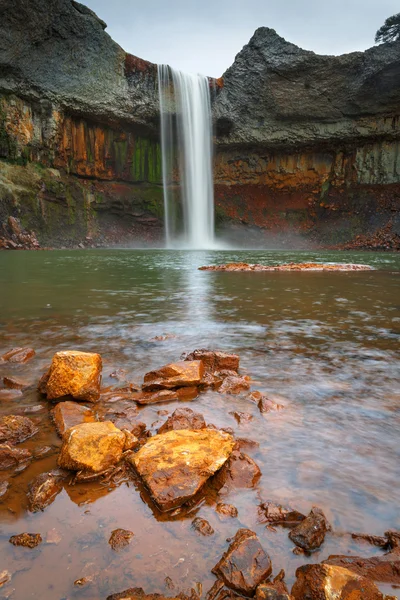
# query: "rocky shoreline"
{"type": "Point", "coordinates": [185, 458]}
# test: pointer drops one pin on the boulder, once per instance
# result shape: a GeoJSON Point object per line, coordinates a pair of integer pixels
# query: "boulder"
{"type": "Point", "coordinates": [11, 456]}
{"type": "Point", "coordinates": [240, 471]}
{"type": "Point", "coordinates": [175, 465]}
{"type": "Point", "coordinates": [74, 373]}
{"type": "Point", "coordinates": [245, 564]}
{"type": "Point", "coordinates": [234, 385]}
{"type": "Point", "coordinates": [310, 533]}
{"type": "Point", "coordinates": [28, 540]}
{"type": "Point", "coordinates": [67, 414]}
{"type": "Point", "coordinates": [202, 526]}
{"type": "Point", "coordinates": [385, 568]}
{"type": "Point", "coordinates": [43, 489]}
{"type": "Point", "coordinates": [275, 514]}
{"type": "Point", "coordinates": [92, 447]}
{"type": "Point", "coordinates": [18, 355]}
{"type": "Point", "coordinates": [183, 418]}
{"type": "Point", "coordinates": [15, 429]}
{"type": "Point", "coordinates": [183, 393]}
{"type": "Point", "coordinates": [326, 582]}
{"type": "Point", "coordinates": [120, 538]}
{"type": "Point", "coordinates": [215, 360]}
{"type": "Point", "coordinates": [174, 375]}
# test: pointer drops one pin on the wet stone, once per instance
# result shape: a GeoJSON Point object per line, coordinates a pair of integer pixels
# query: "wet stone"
{"type": "Point", "coordinates": [131, 441]}
{"type": "Point", "coordinates": [14, 384]}
{"type": "Point", "coordinates": [92, 447]}
{"type": "Point", "coordinates": [175, 465]}
{"type": "Point", "coordinates": [275, 590]}
{"type": "Point", "coordinates": [67, 414]}
{"type": "Point", "coordinates": [4, 486]}
{"type": "Point", "coordinates": [120, 538]}
{"type": "Point", "coordinates": [374, 540]}
{"type": "Point", "coordinates": [184, 393]}
{"type": "Point", "coordinates": [393, 538]}
{"type": "Point", "coordinates": [202, 526]}
{"type": "Point", "coordinates": [139, 594]}
{"type": "Point", "coordinates": [275, 514]}
{"type": "Point", "coordinates": [265, 403]}
{"type": "Point", "coordinates": [215, 360]}
{"type": "Point", "coordinates": [310, 533]}
{"type": "Point", "coordinates": [43, 489]}
{"type": "Point", "coordinates": [74, 373]}
{"type": "Point", "coordinates": [226, 510]}
{"type": "Point", "coordinates": [242, 417]}
{"type": "Point", "coordinates": [18, 355]}
{"type": "Point", "coordinates": [183, 418]}
{"type": "Point", "coordinates": [385, 568]}
{"type": "Point", "coordinates": [11, 457]}
{"type": "Point", "coordinates": [234, 385]}
{"type": "Point", "coordinates": [245, 564]}
{"type": "Point", "coordinates": [174, 375]}
{"type": "Point", "coordinates": [15, 429]}
{"type": "Point", "coordinates": [325, 582]}
{"type": "Point", "coordinates": [28, 540]}
{"type": "Point", "coordinates": [239, 472]}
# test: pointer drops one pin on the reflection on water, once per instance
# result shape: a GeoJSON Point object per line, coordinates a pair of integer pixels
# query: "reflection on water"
{"type": "Point", "coordinates": [326, 343]}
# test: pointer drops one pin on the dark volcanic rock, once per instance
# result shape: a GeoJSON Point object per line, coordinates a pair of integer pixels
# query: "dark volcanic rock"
{"type": "Point", "coordinates": [11, 456]}
{"type": "Point", "coordinates": [43, 489]}
{"type": "Point", "coordinates": [245, 564]}
{"type": "Point", "coordinates": [183, 418]}
{"type": "Point", "coordinates": [120, 538]}
{"type": "Point", "coordinates": [29, 540]}
{"type": "Point", "coordinates": [15, 429]}
{"type": "Point", "coordinates": [310, 533]}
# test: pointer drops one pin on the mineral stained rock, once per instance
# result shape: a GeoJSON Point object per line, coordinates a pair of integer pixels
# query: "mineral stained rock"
{"type": "Point", "coordinates": [120, 538]}
{"type": "Point", "coordinates": [385, 568]}
{"type": "Point", "coordinates": [183, 393]}
{"type": "Point", "coordinates": [326, 582]}
{"type": "Point", "coordinates": [214, 360]}
{"type": "Point", "coordinates": [91, 447]}
{"type": "Point", "coordinates": [175, 375]}
{"type": "Point", "coordinates": [175, 465]}
{"type": "Point", "coordinates": [67, 414]}
{"type": "Point", "coordinates": [275, 514]}
{"type": "Point", "coordinates": [245, 564]}
{"type": "Point", "coordinates": [139, 594]}
{"type": "Point", "coordinates": [264, 402]}
{"type": "Point", "coordinates": [234, 385]}
{"type": "Point", "coordinates": [15, 429]}
{"type": "Point", "coordinates": [310, 533]}
{"type": "Point", "coordinates": [13, 384]}
{"type": "Point", "coordinates": [202, 526]}
{"type": "Point", "coordinates": [43, 489]}
{"type": "Point", "coordinates": [273, 590]}
{"type": "Point", "coordinates": [18, 355]}
{"type": "Point", "coordinates": [11, 456]}
{"type": "Point", "coordinates": [183, 418]}
{"type": "Point", "coordinates": [240, 471]}
{"type": "Point", "coordinates": [74, 373]}
{"type": "Point", "coordinates": [226, 510]}
{"type": "Point", "coordinates": [29, 540]}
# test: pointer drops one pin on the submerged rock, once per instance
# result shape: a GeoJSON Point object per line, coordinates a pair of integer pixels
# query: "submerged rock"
{"type": "Point", "coordinates": [183, 418]}
{"type": "Point", "coordinates": [226, 510]}
{"type": "Point", "coordinates": [183, 393]}
{"type": "Point", "coordinates": [310, 533]}
{"type": "Point", "coordinates": [73, 373]}
{"type": "Point", "coordinates": [92, 447]}
{"type": "Point", "coordinates": [214, 360]}
{"type": "Point", "coordinates": [43, 489]}
{"type": "Point", "coordinates": [139, 594]}
{"type": "Point", "coordinates": [29, 540]}
{"type": "Point", "coordinates": [374, 540]}
{"type": "Point", "coordinates": [175, 465]}
{"type": "Point", "coordinates": [265, 403]}
{"type": "Point", "coordinates": [175, 375]}
{"type": "Point", "coordinates": [384, 568]}
{"type": "Point", "coordinates": [67, 414]}
{"type": "Point", "coordinates": [120, 538]}
{"type": "Point", "coordinates": [234, 385]}
{"type": "Point", "coordinates": [239, 471]}
{"type": "Point", "coordinates": [241, 417]}
{"type": "Point", "coordinates": [14, 384]}
{"type": "Point", "coordinates": [18, 355]}
{"type": "Point", "coordinates": [202, 526]}
{"type": "Point", "coordinates": [15, 429]}
{"type": "Point", "coordinates": [275, 514]}
{"type": "Point", "coordinates": [245, 564]}
{"type": "Point", "coordinates": [325, 582]}
{"type": "Point", "coordinates": [12, 457]}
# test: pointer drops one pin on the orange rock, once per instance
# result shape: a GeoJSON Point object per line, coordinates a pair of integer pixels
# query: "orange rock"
{"type": "Point", "coordinates": [183, 393]}
{"type": "Point", "coordinates": [326, 582]}
{"type": "Point", "coordinates": [214, 360]}
{"type": "Point", "coordinates": [91, 447]}
{"type": "Point", "coordinates": [18, 355]}
{"type": "Point", "coordinates": [76, 374]}
{"type": "Point", "coordinates": [11, 456]}
{"type": "Point", "coordinates": [175, 465]}
{"type": "Point", "coordinates": [385, 568]}
{"type": "Point", "coordinates": [175, 375]}
{"type": "Point", "coordinates": [234, 385]}
{"type": "Point", "coordinates": [16, 429]}
{"type": "Point", "coordinates": [67, 414]}
{"type": "Point", "coordinates": [239, 472]}
{"type": "Point", "coordinates": [13, 384]}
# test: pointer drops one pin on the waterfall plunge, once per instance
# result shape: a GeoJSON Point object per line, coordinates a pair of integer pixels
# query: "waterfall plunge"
{"type": "Point", "coordinates": [186, 144]}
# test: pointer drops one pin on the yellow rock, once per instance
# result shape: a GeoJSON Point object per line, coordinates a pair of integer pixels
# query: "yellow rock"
{"type": "Point", "coordinates": [179, 374]}
{"type": "Point", "coordinates": [74, 373]}
{"type": "Point", "coordinates": [91, 447]}
{"type": "Point", "coordinates": [175, 465]}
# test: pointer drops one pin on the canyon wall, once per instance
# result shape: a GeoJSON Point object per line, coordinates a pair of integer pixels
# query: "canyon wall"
{"type": "Point", "coordinates": [307, 146]}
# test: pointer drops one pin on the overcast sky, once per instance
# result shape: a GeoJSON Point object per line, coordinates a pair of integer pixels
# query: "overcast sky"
{"type": "Point", "coordinates": [204, 36]}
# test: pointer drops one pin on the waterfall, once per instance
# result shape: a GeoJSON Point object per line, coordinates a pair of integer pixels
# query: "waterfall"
{"type": "Point", "coordinates": [186, 145]}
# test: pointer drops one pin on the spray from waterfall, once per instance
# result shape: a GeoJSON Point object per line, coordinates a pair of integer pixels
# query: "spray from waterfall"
{"type": "Point", "coordinates": [186, 145]}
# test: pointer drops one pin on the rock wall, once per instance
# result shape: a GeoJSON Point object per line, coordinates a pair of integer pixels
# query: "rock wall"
{"type": "Point", "coordinates": [306, 145]}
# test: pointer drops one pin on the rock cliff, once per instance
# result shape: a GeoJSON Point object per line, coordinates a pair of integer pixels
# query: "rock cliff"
{"type": "Point", "coordinates": [306, 144]}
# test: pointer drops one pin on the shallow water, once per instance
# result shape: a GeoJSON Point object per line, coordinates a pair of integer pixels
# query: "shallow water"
{"type": "Point", "coordinates": [325, 344]}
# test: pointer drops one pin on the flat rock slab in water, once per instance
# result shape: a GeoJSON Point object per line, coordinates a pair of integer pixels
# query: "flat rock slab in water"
{"type": "Point", "coordinates": [175, 465]}
{"type": "Point", "coordinates": [288, 267]}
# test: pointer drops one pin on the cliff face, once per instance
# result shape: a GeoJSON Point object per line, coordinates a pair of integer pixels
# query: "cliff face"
{"type": "Point", "coordinates": [308, 143]}
{"type": "Point", "coordinates": [305, 143]}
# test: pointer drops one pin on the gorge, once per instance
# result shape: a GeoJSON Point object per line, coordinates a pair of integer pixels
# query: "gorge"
{"type": "Point", "coordinates": [306, 145]}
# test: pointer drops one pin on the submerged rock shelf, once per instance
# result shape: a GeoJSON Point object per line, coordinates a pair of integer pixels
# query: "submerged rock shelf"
{"type": "Point", "coordinates": [288, 267]}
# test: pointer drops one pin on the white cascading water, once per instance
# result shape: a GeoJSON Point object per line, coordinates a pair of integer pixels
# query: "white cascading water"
{"type": "Point", "coordinates": [187, 143]}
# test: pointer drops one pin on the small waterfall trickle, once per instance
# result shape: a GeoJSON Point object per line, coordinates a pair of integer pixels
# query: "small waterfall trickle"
{"type": "Point", "coordinates": [186, 144]}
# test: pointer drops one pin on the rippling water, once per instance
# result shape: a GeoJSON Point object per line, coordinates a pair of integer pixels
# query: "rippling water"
{"type": "Point", "coordinates": [325, 344]}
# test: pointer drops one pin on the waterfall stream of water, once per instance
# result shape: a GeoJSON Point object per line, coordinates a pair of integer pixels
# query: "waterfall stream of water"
{"type": "Point", "coordinates": [186, 144]}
